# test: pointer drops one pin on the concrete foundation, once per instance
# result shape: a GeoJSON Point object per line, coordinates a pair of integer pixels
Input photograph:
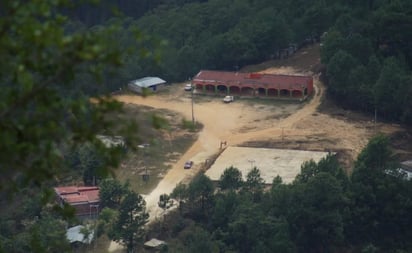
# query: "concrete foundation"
{"type": "Point", "coordinates": [271, 162]}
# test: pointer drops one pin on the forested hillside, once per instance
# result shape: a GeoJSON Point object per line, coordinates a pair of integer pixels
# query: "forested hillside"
{"type": "Point", "coordinates": [222, 35]}
{"type": "Point", "coordinates": [368, 56]}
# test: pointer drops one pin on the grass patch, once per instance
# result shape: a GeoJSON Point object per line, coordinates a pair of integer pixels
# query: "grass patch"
{"type": "Point", "coordinates": [166, 135]}
{"type": "Point", "coordinates": [190, 125]}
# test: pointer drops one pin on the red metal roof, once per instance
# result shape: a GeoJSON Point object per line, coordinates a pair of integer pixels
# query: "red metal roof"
{"type": "Point", "coordinates": [76, 199]}
{"type": "Point", "coordinates": [236, 78]}
{"type": "Point", "coordinates": [76, 195]}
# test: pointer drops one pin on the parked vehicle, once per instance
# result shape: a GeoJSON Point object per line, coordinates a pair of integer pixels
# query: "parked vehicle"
{"type": "Point", "coordinates": [228, 99]}
{"type": "Point", "coordinates": [188, 87]}
{"type": "Point", "coordinates": [188, 164]}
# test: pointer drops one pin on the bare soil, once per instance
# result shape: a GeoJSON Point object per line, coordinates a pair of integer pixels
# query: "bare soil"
{"type": "Point", "coordinates": [262, 124]}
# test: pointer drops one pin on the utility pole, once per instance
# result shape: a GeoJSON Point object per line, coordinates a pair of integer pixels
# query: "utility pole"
{"type": "Point", "coordinates": [143, 147]}
{"type": "Point", "coordinates": [193, 114]}
{"type": "Point", "coordinates": [252, 162]}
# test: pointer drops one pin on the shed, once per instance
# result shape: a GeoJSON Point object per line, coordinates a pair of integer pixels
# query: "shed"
{"type": "Point", "coordinates": [406, 169]}
{"type": "Point", "coordinates": [75, 235]}
{"type": "Point", "coordinates": [111, 141]}
{"type": "Point", "coordinates": [154, 244]}
{"type": "Point", "coordinates": [149, 83]}
{"type": "Point", "coordinates": [407, 165]}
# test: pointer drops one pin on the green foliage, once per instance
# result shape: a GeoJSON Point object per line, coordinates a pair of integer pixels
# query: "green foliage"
{"type": "Point", "coordinates": [195, 239]}
{"type": "Point", "coordinates": [379, 199]}
{"type": "Point", "coordinates": [87, 161]}
{"type": "Point", "coordinates": [330, 42]}
{"type": "Point", "coordinates": [224, 207]}
{"type": "Point", "coordinates": [229, 35]}
{"type": "Point", "coordinates": [128, 229]}
{"type": "Point", "coordinates": [231, 179]}
{"type": "Point", "coordinates": [198, 196]}
{"type": "Point", "coordinates": [164, 201]}
{"type": "Point", "coordinates": [389, 88]}
{"type": "Point", "coordinates": [329, 164]}
{"type": "Point", "coordinates": [309, 169]}
{"type": "Point", "coordinates": [376, 156]}
{"type": "Point", "coordinates": [277, 181]}
{"type": "Point", "coordinates": [279, 197]}
{"type": "Point", "coordinates": [179, 192]}
{"type": "Point", "coordinates": [47, 234]}
{"type": "Point", "coordinates": [111, 193]}
{"type": "Point", "coordinates": [339, 80]}
{"type": "Point", "coordinates": [254, 184]}
{"type": "Point", "coordinates": [188, 124]}
{"type": "Point", "coordinates": [105, 223]}
{"type": "Point", "coordinates": [30, 219]}
{"type": "Point", "coordinates": [370, 248]}
{"type": "Point", "coordinates": [200, 193]}
{"type": "Point", "coordinates": [159, 122]}
{"type": "Point", "coordinates": [41, 114]}
{"type": "Point", "coordinates": [371, 37]}
{"type": "Point", "coordinates": [316, 215]}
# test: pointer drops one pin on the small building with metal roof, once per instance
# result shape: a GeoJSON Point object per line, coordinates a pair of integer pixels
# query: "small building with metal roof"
{"type": "Point", "coordinates": [84, 199]}
{"type": "Point", "coordinates": [155, 244]}
{"type": "Point", "coordinates": [74, 235]}
{"type": "Point", "coordinates": [146, 83]}
{"type": "Point", "coordinates": [406, 169]}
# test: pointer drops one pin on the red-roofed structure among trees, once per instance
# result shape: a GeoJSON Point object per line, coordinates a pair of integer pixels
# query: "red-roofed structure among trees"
{"type": "Point", "coordinates": [253, 84]}
{"type": "Point", "coordinates": [84, 199]}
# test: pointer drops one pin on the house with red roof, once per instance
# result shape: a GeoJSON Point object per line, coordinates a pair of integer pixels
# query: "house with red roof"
{"type": "Point", "coordinates": [84, 199]}
{"type": "Point", "coordinates": [253, 84]}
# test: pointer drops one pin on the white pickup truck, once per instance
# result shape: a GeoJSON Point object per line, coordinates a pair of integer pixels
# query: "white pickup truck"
{"type": "Point", "coordinates": [228, 99]}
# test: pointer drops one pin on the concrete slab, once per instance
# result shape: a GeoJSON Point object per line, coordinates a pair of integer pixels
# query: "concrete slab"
{"type": "Point", "coordinates": [271, 162]}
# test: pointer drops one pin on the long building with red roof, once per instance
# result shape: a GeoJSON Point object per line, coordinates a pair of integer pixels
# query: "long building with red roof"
{"type": "Point", "coordinates": [253, 84]}
{"type": "Point", "coordinates": [84, 199]}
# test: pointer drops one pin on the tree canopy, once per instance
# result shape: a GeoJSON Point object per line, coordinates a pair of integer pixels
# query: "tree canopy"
{"type": "Point", "coordinates": [42, 114]}
{"type": "Point", "coordinates": [46, 114]}
{"type": "Point", "coordinates": [369, 60]}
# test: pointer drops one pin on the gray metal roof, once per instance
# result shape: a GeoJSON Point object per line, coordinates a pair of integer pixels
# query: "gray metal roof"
{"type": "Point", "coordinates": [111, 141]}
{"type": "Point", "coordinates": [146, 82]}
{"type": "Point", "coordinates": [154, 243]}
{"type": "Point", "coordinates": [407, 165]}
{"type": "Point", "coordinates": [74, 234]}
